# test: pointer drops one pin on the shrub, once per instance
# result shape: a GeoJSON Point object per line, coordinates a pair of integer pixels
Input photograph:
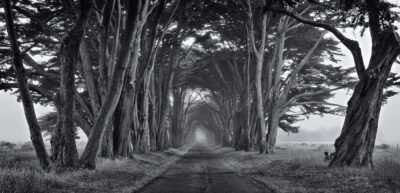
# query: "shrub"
{"type": "Point", "coordinates": [384, 146]}
{"type": "Point", "coordinates": [280, 148]}
{"type": "Point", "coordinates": [6, 146]}
{"type": "Point", "coordinates": [303, 144]}
{"type": "Point", "coordinates": [28, 146]}
{"type": "Point", "coordinates": [328, 156]}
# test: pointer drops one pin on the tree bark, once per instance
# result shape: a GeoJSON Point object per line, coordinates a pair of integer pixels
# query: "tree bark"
{"type": "Point", "coordinates": [30, 115]}
{"type": "Point", "coordinates": [355, 145]}
{"type": "Point", "coordinates": [128, 101]}
{"type": "Point", "coordinates": [145, 126]}
{"type": "Point", "coordinates": [152, 115]}
{"type": "Point", "coordinates": [57, 140]}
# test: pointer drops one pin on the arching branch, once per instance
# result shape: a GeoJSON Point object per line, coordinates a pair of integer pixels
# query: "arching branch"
{"type": "Point", "coordinates": [350, 44]}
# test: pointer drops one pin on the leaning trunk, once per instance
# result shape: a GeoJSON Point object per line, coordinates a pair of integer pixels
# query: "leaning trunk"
{"type": "Point", "coordinates": [355, 145]}
{"type": "Point", "coordinates": [35, 131]}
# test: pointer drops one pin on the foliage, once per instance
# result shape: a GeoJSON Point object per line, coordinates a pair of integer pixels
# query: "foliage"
{"type": "Point", "coordinates": [27, 146]}
{"type": "Point", "coordinates": [6, 146]}
{"type": "Point", "coordinates": [383, 146]}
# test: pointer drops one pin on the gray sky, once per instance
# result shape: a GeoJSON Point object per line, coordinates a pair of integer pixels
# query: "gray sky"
{"type": "Point", "coordinates": [13, 125]}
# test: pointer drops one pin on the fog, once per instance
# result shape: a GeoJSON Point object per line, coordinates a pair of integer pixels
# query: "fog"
{"type": "Point", "coordinates": [200, 136]}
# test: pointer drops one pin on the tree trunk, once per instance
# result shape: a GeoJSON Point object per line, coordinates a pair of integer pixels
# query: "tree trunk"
{"type": "Point", "coordinates": [355, 145]}
{"type": "Point", "coordinates": [86, 70]}
{"type": "Point", "coordinates": [57, 140]}
{"type": "Point", "coordinates": [164, 108]}
{"type": "Point", "coordinates": [247, 132]}
{"type": "Point", "coordinates": [152, 115]}
{"type": "Point", "coordinates": [273, 122]}
{"type": "Point", "coordinates": [177, 116]}
{"type": "Point", "coordinates": [88, 157]}
{"type": "Point", "coordinates": [275, 92]}
{"type": "Point", "coordinates": [125, 121]}
{"type": "Point", "coordinates": [105, 65]}
{"type": "Point", "coordinates": [245, 114]}
{"type": "Point", "coordinates": [259, 53]}
{"type": "Point", "coordinates": [242, 134]}
{"type": "Point", "coordinates": [129, 100]}
{"type": "Point", "coordinates": [107, 146]}
{"type": "Point", "coordinates": [260, 109]}
{"type": "Point", "coordinates": [30, 115]}
{"type": "Point", "coordinates": [57, 143]}
{"type": "Point", "coordinates": [68, 58]}
{"type": "Point", "coordinates": [145, 143]}
{"type": "Point", "coordinates": [167, 139]}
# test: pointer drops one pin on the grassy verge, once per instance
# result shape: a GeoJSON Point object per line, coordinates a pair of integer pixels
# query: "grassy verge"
{"type": "Point", "coordinates": [298, 169]}
{"type": "Point", "coordinates": [20, 173]}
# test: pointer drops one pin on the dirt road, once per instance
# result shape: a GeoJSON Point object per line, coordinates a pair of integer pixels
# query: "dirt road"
{"type": "Point", "coordinates": [201, 170]}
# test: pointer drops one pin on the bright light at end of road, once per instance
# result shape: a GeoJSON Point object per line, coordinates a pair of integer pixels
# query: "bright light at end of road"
{"type": "Point", "coordinates": [201, 136]}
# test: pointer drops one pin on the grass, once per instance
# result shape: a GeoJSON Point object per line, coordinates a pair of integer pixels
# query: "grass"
{"type": "Point", "coordinates": [302, 169]}
{"type": "Point", "coordinates": [28, 180]}
{"type": "Point", "coordinates": [20, 173]}
{"type": "Point", "coordinates": [292, 169]}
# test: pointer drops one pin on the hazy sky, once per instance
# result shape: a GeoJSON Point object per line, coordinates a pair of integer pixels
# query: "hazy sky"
{"type": "Point", "coordinates": [13, 125]}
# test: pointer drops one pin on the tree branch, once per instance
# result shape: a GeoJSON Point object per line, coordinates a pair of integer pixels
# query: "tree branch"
{"type": "Point", "coordinates": [315, 102]}
{"type": "Point", "coordinates": [308, 94]}
{"type": "Point", "coordinates": [352, 45]}
{"type": "Point", "coordinates": [37, 89]}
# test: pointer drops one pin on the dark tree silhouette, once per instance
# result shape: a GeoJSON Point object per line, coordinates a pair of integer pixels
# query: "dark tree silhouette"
{"type": "Point", "coordinates": [34, 128]}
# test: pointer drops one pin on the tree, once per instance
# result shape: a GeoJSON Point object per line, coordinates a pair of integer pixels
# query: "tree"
{"type": "Point", "coordinates": [354, 146]}
{"type": "Point", "coordinates": [88, 157]}
{"type": "Point", "coordinates": [35, 131]}
{"type": "Point", "coordinates": [259, 53]}
{"type": "Point", "coordinates": [68, 58]}
{"type": "Point", "coordinates": [302, 82]}
{"type": "Point", "coordinates": [102, 51]}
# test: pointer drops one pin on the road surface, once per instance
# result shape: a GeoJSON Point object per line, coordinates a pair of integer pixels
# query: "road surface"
{"type": "Point", "coordinates": [201, 170]}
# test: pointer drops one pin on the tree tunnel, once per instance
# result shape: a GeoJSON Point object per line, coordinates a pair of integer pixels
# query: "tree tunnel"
{"type": "Point", "coordinates": [157, 74]}
{"type": "Point", "coordinates": [201, 135]}
{"type": "Point", "coordinates": [198, 121]}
